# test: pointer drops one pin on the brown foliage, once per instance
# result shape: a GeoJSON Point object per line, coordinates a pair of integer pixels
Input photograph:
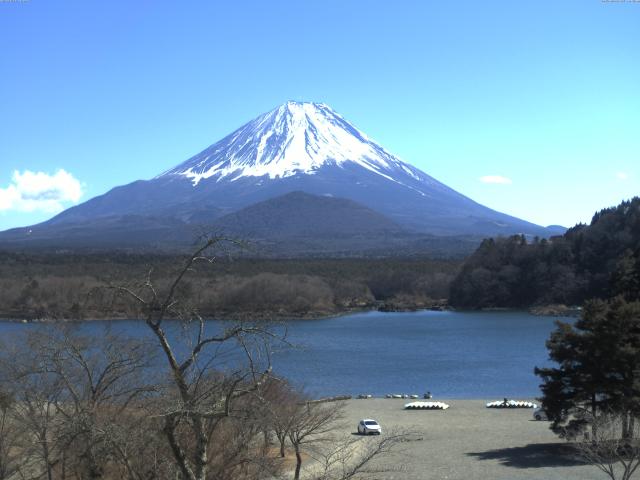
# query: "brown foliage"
{"type": "Point", "coordinates": [71, 286]}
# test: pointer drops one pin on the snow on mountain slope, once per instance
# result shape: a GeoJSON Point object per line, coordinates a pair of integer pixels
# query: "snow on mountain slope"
{"type": "Point", "coordinates": [295, 138]}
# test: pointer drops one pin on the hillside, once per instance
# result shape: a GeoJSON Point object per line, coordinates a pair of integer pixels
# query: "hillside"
{"type": "Point", "coordinates": [300, 214]}
{"type": "Point", "coordinates": [589, 261]}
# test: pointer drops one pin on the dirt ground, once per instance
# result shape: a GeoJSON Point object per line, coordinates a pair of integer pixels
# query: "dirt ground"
{"type": "Point", "coordinates": [470, 441]}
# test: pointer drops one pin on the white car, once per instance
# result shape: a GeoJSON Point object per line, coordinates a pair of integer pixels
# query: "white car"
{"type": "Point", "coordinates": [540, 414]}
{"type": "Point", "coordinates": [368, 426]}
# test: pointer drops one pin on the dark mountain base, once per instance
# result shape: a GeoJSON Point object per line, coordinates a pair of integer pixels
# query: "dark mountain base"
{"type": "Point", "coordinates": [293, 225]}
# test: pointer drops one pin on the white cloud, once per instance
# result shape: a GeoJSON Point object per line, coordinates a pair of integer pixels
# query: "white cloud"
{"type": "Point", "coordinates": [495, 179]}
{"type": "Point", "coordinates": [622, 175]}
{"type": "Point", "coordinates": [39, 191]}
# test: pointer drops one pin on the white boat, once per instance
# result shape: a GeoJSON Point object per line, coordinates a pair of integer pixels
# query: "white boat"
{"type": "Point", "coordinates": [426, 406]}
{"type": "Point", "coordinates": [511, 404]}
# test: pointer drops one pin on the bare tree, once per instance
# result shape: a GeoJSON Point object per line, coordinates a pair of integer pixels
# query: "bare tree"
{"type": "Point", "coordinates": [36, 416]}
{"type": "Point", "coordinates": [11, 437]}
{"type": "Point", "coordinates": [311, 424]}
{"type": "Point", "coordinates": [239, 452]}
{"type": "Point", "coordinates": [76, 398]}
{"type": "Point", "coordinates": [32, 410]}
{"type": "Point", "coordinates": [613, 445]}
{"type": "Point", "coordinates": [278, 404]}
{"type": "Point", "coordinates": [202, 387]}
{"type": "Point", "coordinates": [356, 458]}
{"type": "Point", "coordinates": [102, 380]}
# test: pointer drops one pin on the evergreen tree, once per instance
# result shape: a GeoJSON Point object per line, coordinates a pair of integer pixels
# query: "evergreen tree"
{"type": "Point", "coordinates": [598, 366]}
{"type": "Point", "coordinates": [625, 280]}
{"type": "Point", "coordinates": [595, 261]}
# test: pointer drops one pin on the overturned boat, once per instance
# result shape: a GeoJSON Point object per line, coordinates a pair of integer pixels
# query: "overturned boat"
{"type": "Point", "coordinates": [426, 406]}
{"type": "Point", "coordinates": [511, 404]}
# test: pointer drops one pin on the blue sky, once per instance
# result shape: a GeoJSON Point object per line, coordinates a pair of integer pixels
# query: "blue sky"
{"type": "Point", "coordinates": [531, 108]}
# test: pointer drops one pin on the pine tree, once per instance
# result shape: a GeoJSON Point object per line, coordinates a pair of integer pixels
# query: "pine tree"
{"type": "Point", "coordinates": [598, 366]}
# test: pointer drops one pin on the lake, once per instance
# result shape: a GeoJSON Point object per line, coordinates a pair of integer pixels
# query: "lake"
{"type": "Point", "coordinates": [451, 354]}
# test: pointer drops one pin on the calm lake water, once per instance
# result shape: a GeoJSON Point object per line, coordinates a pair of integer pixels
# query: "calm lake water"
{"type": "Point", "coordinates": [451, 354]}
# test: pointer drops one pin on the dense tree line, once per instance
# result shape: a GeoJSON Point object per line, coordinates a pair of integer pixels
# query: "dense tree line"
{"type": "Point", "coordinates": [67, 285]}
{"type": "Point", "coordinates": [599, 260]}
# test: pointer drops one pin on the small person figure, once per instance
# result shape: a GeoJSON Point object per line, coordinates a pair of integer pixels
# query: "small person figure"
{"type": "Point", "coordinates": [505, 402]}
{"type": "Point", "coordinates": [427, 395]}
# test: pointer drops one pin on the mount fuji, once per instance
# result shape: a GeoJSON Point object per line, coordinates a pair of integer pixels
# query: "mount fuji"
{"type": "Point", "coordinates": [272, 176]}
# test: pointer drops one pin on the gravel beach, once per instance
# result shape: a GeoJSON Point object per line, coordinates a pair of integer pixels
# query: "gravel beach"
{"type": "Point", "coordinates": [470, 441]}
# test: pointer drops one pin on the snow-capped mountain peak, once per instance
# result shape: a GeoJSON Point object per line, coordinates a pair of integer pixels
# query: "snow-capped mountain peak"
{"type": "Point", "coordinates": [294, 138]}
{"type": "Point", "coordinates": [270, 179]}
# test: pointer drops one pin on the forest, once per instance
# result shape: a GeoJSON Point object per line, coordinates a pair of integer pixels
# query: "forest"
{"type": "Point", "coordinates": [67, 285]}
{"type": "Point", "coordinates": [598, 260]}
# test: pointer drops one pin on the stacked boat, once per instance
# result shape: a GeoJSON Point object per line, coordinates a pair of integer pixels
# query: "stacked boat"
{"type": "Point", "coordinates": [511, 404]}
{"type": "Point", "coordinates": [426, 406]}
{"type": "Point", "coordinates": [401, 395]}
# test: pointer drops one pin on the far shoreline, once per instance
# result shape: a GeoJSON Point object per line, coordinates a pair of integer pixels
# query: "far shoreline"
{"type": "Point", "coordinates": [280, 316]}
{"type": "Point", "coordinates": [561, 311]}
